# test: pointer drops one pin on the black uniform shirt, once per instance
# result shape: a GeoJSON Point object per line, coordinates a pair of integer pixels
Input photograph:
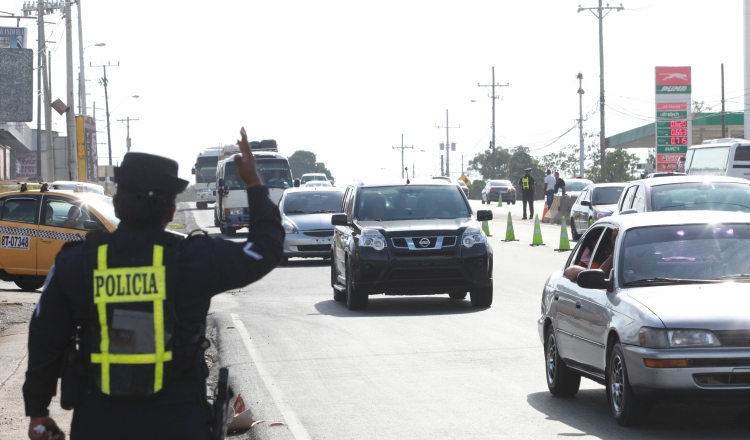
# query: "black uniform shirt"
{"type": "Point", "coordinates": [531, 184]}
{"type": "Point", "coordinates": [559, 183]}
{"type": "Point", "coordinates": [207, 266]}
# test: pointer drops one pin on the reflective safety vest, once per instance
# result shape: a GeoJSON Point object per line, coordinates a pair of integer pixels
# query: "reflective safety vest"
{"type": "Point", "coordinates": [133, 322]}
{"type": "Point", "coordinates": [525, 183]}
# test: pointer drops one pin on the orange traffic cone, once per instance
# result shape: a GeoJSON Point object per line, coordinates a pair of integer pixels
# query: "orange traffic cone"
{"type": "Point", "coordinates": [545, 209]}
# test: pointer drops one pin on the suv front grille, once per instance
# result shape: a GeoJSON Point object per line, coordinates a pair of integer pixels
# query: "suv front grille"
{"type": "Point", "coordinates": [424, 243]}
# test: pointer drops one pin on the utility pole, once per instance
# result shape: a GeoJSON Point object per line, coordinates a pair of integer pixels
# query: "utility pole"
{"type": "Point", "coordinates": [70, 112]}
{"type": "Point", "coordinates": [580, 121]}
{"type": "Point", "coordinates": [600, 13]}
{"type": "Point", "coordinates": [493, 157]}
{"type": "Point", "coordinates": [402, 148]}
{"type": "Point", "coordinates": [81, 74]}
{"type": "Point", "coordinates": [448, 147]}
{"type": "Point", "coordinates": [723, 118]}
{"type": "Point", "coordinates": [104, 82]}
{"type": "Point", "coordinates": [127, 139]}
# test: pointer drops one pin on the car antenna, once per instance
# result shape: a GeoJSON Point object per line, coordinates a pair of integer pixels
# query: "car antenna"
{"type": "Point", "coordinates": [407, 175]}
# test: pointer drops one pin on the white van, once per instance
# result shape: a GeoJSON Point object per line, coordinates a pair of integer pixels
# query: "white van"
{"type": "Point", "coordinates": [230, 210]}
{"type": "Point", "coordinates": [719, 157]}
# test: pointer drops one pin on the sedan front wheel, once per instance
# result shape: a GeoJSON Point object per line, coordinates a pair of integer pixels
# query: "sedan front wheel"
{"type": "Point", "coordinates": [627, 408]}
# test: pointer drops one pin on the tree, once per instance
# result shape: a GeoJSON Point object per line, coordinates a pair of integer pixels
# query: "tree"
{"type": "Point", "coordinates": [482, 164]}
{"type": "Point", "coordinates": [303, 162]}
{"type": "Point", "coordinates": [621, 166]}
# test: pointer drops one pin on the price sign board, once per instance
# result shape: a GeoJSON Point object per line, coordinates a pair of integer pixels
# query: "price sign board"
{"type": "Point", "coordinates": [673, 123]}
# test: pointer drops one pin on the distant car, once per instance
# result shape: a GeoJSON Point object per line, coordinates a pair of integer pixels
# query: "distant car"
{"type": "Point", "coordinates": [495, 189]}
{"type": "Point", "coordinates": [35, 224]}
{"type": "Point", "coordinates": [574, 186]}
{"type": "Point", "coordinates": [318, 183]}
{"type": "Point", "coordinates": [686, 193]}
{"type": "Point", "coordinates": [669, 320]}
{"type": "Point", "coordinates": [464, 188]}
{"type": "Point", "coordinates": [312, 176]}
{"type": "Point", "coordinates": [77, 186]}
{"type": "Point", "coordinates": [306, 217]}
{"type": "Point", "coordinates": [420, 238]}
{"type": "Point", "coordinates": [596, 201]}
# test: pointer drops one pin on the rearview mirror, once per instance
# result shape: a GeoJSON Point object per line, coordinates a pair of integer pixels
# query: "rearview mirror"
{"type": "Point", "coordinates": [483, 215]}
{"type": "Point", "coordinates": [339, 220]}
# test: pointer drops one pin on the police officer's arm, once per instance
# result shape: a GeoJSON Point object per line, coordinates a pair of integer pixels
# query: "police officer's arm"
{"type": "Point", "coordinates": [50, 332]}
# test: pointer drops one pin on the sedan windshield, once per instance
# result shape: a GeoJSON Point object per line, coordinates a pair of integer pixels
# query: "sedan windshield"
{"type": "Point", "coordinates": [501, 183]}
{"type": "Point", "coordinates": [412, 202]}
{"type": "Point", "coordinates": [660, 254]}
{"type": "Point", "coordinates": [312, 202]}
{"type": "Point", "coordinates": [712, 196]}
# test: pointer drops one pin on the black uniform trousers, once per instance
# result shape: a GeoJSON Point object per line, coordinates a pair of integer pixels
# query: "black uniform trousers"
{"type": "Point", "coordinates": [528, 198]}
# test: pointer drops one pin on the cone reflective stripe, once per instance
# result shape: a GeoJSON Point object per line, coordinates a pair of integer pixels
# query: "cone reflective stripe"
{"type": "Point", "coordinates": [537, 240]}
{"type": "Point", "coordinates": [509, 234]}
{"type": "Point", "coordinates": [486, 228]}
{"type": "Point", "coordinates": [564, 242]}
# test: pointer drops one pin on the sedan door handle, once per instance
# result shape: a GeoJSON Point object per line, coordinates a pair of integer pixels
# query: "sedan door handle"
{"type": "Point", "coordinates": [578, 304]}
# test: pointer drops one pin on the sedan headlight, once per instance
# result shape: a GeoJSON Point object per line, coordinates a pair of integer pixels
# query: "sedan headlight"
{"type": "Point", "coordinates": [676, 338]}
{"type": "Point", "coordinates": [289, 227]}
{"type": "Point", "coordinates": [473, 235]}
{"type": "Point", "coordinates": [372, 238]}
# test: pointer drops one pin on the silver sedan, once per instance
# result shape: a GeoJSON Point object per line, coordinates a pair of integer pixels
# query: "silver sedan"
{"type": "Point", "coordinates": [306, 216]}
{"type": "Point", "coordinates": [669, 319]}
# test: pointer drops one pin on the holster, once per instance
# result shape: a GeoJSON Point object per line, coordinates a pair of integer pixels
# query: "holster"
{"type": "Point", "coordinates": [221, 406]}
{"type": "Point", "coordinates": [72, 375]}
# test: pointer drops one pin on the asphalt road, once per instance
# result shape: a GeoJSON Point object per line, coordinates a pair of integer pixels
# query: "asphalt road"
{"type": "Point", "coordinates": [422, 367]}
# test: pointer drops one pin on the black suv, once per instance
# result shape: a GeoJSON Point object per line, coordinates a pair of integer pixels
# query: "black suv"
{"type": "Point", "coordinates": [413, 238]}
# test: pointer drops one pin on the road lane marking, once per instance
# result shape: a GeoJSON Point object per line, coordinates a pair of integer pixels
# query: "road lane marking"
{"type": "Point", "coordinates": [295, 425]}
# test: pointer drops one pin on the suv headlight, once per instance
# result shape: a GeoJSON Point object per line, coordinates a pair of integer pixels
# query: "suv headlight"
{"type": "Point", "coordinates": [372, 238]}
{"type": "Point", "coordinates": [473, 235]}
{"type": "Point", "coordinates": [289, 227]}
{"type": "Point", "coordinates": [676, 338]}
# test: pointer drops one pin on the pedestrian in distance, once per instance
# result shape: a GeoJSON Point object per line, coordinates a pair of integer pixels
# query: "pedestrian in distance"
{"type": "Point", "coordinates": [549, 188]}
{"type": "Point", "coordinates": [528, 192]}
{"type": "Point", "coordinates": [559, 184]}
{"type": "Point", "coordinates": [136, 301]}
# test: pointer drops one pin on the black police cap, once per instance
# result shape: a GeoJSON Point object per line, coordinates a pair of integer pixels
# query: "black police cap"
{"type": "Point", "coordinates": [148, 172]}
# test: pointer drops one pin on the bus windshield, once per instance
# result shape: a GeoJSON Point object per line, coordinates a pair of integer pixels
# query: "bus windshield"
{"type": "Point", "coordinates": [709, 161]}
{"type": "Point", "coordinates": [275, 173]}
{"type": "Point", "coordinates": [205, 169]}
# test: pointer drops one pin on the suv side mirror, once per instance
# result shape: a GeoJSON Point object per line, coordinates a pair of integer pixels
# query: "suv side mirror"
{"type": "Point", "coordinates": [585, 203]}
{"type": "Point", "coordinates": [484, 214]}
{"type": "Point", "coordinates": [339, 220]}
{"type": "Point", "coordinates": [193, 171]}
{"type": "Point", "coordinates": [221, 182]}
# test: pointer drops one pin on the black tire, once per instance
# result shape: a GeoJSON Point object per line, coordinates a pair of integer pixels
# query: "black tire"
{"type": "Point", "coordinates": [573, 232]}
{"type": "Point", "coordinates": [627, 408]}
{"type": "Point", "coordinates": [354, 299]}
{"type": "Point", "coordinates": [231, 232]}
{"type": "Point", "coordinates": [217, 223]}
{"type": "Point", "coordinates": [201, 205]}
{"type": "Point", "coordinates": [514, 202]}
{"type": "Point", "coordinates": [457, 295]}
{"type": "Point", "coordinates": [560, 380]}
{"type": "Point", "coordinates": [29, 285]}
{"type": "Point", "coordinates": [482, 297]}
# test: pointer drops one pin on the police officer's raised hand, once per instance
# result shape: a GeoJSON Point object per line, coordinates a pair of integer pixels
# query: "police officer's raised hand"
{"type": "Point", "coordinates": [44, 428]}
{"type": "Point", "coordinates": [245, 162]}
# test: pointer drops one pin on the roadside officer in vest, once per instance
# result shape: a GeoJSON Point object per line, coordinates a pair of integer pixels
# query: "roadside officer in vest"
{"type": "Point", "coordinates": [140, 297]}
{"type": "Point", "coordinates": [528, 191]}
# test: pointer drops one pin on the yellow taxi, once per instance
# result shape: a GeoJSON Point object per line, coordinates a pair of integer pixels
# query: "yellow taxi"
{"type": "Point", "coordinates": [34, 225]}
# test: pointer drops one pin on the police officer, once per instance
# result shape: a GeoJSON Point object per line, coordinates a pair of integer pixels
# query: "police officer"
{"type": "Point", "coordinates": [528, 191]}
{"type": "Point", "coordinates": [139, 299]}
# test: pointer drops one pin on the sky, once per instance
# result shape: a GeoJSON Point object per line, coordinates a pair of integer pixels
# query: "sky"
{"type": "Point", "coordinates": [347, 79]}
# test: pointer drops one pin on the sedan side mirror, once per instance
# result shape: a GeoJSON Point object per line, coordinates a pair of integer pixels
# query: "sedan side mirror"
{"type": "Point", "coordinates": [585, 203]}
{"type": "Point", "coordinates": [90, 225]}
{"type": "Point", "coordinates": [339, 220]}
{"type": "Point", "coordinates": [593, 279]}
{"type": "Point", "coordinates": [484, 214]}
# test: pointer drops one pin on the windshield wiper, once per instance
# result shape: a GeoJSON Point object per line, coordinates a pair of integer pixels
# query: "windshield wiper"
{"type": "Point", "coordinates": [323, 211]}
{"type": "Point", "coordinates": [665, 281]}
{"type": "Point", "coordinates": [737, 276]}
{"type": "Point", "coordinates": [295, 211]}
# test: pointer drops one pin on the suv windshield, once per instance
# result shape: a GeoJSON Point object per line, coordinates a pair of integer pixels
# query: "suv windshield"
{"type": "Point", "coordinates": [412, 202]}
{"type": "Point", "coordinates": [608, 195]}
{"type": "Point", "coordinates": [712, 196]}
{"type": "Point", "coordinates": [693, 252]}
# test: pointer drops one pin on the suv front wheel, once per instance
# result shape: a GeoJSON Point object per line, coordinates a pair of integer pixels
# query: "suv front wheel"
{"type": "Point", "coordinates": [482, 296]}
{"type": "Point", "coordinates": [354, 299]}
